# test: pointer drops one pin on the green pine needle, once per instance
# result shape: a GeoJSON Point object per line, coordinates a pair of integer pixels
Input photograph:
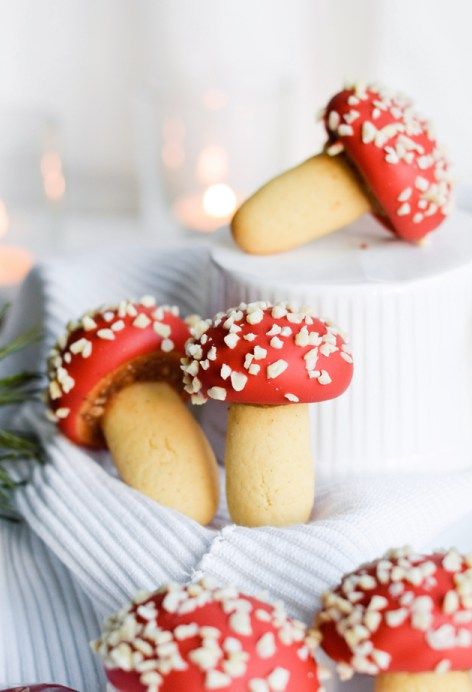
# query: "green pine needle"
{"type": "Point", "coordinates": [20, 342]}
{"type": "Point", "coordinates": [20, 443]}
{"type": "Point", "coordinates": [4, 311]}
{"type": "Point", "coordinates": [18, 388]}
{"type": "Point", "coordinates": [19, 380]}
{"type": "Point", "coordinates": [16, 446]}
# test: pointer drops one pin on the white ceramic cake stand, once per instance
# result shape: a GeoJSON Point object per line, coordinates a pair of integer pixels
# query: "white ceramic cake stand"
{"type": "Point", "coordinates": [408, 312]}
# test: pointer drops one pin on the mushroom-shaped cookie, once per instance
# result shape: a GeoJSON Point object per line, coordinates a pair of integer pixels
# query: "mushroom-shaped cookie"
{"type": "Point", "coordinates": [115, 378]}
{"type": "Point", "coordinates": [406, 618]}
{"type": "Point", "coordinates": [204, 637]}
{"type": "Point", "coordinates": [268, 362]}
{"type": "Point", "coordinates": [380, 156]}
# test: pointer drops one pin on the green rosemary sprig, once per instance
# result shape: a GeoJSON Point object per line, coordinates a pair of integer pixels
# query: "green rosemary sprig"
{"type": "Point", "coordinates": [18, 388]}
{"type": "Point", "coordinates": [19, 342]}
{"type": "Point", "coordinates": [16, 446]}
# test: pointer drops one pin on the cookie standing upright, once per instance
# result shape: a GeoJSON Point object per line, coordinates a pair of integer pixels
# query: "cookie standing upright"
{"type": "Point", "coordinates": [268, 362]}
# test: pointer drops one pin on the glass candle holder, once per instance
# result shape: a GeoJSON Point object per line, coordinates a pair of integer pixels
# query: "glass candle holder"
{"type": "Point", "coordinates": [32, 188]}
{"type": "Point", "coordinates": [203, 148]}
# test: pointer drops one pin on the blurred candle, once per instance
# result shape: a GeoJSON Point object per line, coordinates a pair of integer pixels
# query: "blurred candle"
{"type": "Point", "coordinates": [54, 183]}
{"type": "Point", "coordinates": [15, 263]}
{"type": "Point", "coordinates": [219, 201]}
{"type": "Point", "coordinates": [212, 164]}
{"type": "Point", "coordinates": [215, 204]}
{"type": "Point", "coordinates": [4, 219]}
{"type": "Point", "coordinates": [206, 211]}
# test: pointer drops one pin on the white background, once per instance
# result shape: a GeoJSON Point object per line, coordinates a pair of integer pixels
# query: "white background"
{"type": "Point", "coordinates": [83, 60]}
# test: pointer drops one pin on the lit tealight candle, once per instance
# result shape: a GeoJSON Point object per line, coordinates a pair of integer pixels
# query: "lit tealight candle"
{"type": "Point", "coordinates": [208, 211]}
{"type": "Point", "coordinates": [219, 201]}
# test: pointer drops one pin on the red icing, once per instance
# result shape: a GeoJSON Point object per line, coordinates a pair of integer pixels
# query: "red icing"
{"type": "Point", "coordinates": [387, 180]}
{"type": "Point", "coordinates": [259, 388]}
{"type": "Point", "coordinates": [303, 673]}
{"type": "Point", "coordinates": [410, 648]}
{"type": "Point", "coordinates": [107, 356]}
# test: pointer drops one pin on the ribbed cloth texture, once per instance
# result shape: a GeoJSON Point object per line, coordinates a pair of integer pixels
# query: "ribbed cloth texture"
{"type": "Point", "coordinates": [89, 542]}
{"type": "Point", "coordinates": [46, 620]}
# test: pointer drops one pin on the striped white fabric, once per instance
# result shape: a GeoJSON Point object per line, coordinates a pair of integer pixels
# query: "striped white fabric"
{"type": "Point", "coordinates": [89, 541]}
{"type": "Point", "coordinates": [46, 619]}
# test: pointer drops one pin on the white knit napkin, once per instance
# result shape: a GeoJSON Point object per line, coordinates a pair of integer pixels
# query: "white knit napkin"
{"type": "Point", "coordinates": [113, 541]}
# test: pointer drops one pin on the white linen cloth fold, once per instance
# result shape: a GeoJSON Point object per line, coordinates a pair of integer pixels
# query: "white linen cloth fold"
{"type": "Point", "coordinates": [46, 619]}
{"type": "Point", "coordinates": [99, 541]}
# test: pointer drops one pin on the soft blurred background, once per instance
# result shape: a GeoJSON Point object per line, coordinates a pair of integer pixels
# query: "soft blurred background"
{"type": "Point", "coordinates": [147, 120]}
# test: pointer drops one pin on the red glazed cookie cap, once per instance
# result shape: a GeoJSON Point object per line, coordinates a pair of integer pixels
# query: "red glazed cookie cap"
{"type": "Point", "coordinates": [106, 350]}
{"type": "Point", "coordinates": [403, 613]}
{"type": "Point", "coordinates": [203, 637]}
{"type": "Point", "coordinates": [397, 156]}
{"type": "Point", "coordinates": [267, 354]}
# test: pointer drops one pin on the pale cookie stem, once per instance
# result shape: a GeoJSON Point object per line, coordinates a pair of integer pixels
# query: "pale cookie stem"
{"type": "Point", "coordinates": [424, 682]}
{"type": "Point", "coordinates": [317, 197]}
{"type": "Point", "coordinates": [160, 450]}
{"type": "Point", "coordinates": [269, 465]}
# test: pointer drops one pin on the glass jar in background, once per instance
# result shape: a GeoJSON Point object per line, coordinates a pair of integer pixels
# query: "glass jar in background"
{"type": "Point", "coordinates": [32, 189]}
{"type": "Point", "coordinates": [202, 148]}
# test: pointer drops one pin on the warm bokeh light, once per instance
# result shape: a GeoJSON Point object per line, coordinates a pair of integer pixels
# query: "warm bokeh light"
{"type": "Point", "coordinates": [219, 201]}
{"type": "Point", "coordinates": [173, 129]}
{"type": "Point", "coordinates": [173, 137]}
{"type": "Point", "coordinates": [4, 219]}
{"type": "Point", "coordinates": [173, 154]}
{"type": "Point", "coordinates": [208, 211]}
{"type": "Point", "coordinates": [54, 183]}
{"type": "Point", "coordinates": [212, 164]}
{"type": "Point", "coordinates": [215, 99]}
{"type": "Point", "coordinates": [15, 263]}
